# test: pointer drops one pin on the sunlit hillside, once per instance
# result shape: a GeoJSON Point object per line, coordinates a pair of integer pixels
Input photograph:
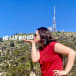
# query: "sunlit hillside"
{"type": "Point", "coordinates": [15, 55]}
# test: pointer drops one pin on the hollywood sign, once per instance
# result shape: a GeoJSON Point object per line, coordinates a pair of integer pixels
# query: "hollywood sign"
{"type": "Point", "coordinates": [18, 37]}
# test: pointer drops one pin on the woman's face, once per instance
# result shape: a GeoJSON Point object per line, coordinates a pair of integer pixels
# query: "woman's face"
{"type": "Point", "coordinates": [37, 37]}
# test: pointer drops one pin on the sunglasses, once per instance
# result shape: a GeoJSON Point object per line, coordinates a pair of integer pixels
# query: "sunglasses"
{"type": "Point", "coordinates": [35, 35]}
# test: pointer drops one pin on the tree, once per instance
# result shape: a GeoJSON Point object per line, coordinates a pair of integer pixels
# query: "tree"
{"type": "Point", "coordinates": [12, 44]}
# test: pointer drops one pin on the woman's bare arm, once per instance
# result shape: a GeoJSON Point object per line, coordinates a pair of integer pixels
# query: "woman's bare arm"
{"type": "Point", "coordinates": [61, 49]}
{"type": "Point", "coordinates": [35, 55]}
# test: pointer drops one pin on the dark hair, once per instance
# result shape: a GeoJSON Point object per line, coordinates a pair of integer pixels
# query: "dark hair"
{"type": "Point", "coordinates": [45, 36]}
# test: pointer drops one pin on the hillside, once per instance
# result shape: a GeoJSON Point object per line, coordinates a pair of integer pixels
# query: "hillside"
{"type": "Point", "coordinates": [15, 56]}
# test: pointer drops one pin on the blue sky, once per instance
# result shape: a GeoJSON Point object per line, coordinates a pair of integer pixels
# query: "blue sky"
{"type": "Point", "coordinates": [25, 16]}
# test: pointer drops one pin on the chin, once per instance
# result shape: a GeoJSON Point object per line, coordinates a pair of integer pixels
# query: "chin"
{"type": "Point", "coordinates": [36, 42]}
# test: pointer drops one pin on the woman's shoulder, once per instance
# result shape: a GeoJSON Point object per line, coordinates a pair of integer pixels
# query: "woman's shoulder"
{"type": "Point", "coordinates": [52, 44]}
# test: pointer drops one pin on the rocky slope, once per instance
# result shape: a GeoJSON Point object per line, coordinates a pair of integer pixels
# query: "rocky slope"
{"type": "Point", "coordinates": [15, 56]}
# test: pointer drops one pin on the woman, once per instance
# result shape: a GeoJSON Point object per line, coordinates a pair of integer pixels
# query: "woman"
{"type": "Point", "coordinates": [50, 54]}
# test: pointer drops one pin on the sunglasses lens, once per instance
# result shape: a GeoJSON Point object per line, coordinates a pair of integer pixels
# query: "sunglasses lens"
{"type": "Point", "coordinates": [35, 35]}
